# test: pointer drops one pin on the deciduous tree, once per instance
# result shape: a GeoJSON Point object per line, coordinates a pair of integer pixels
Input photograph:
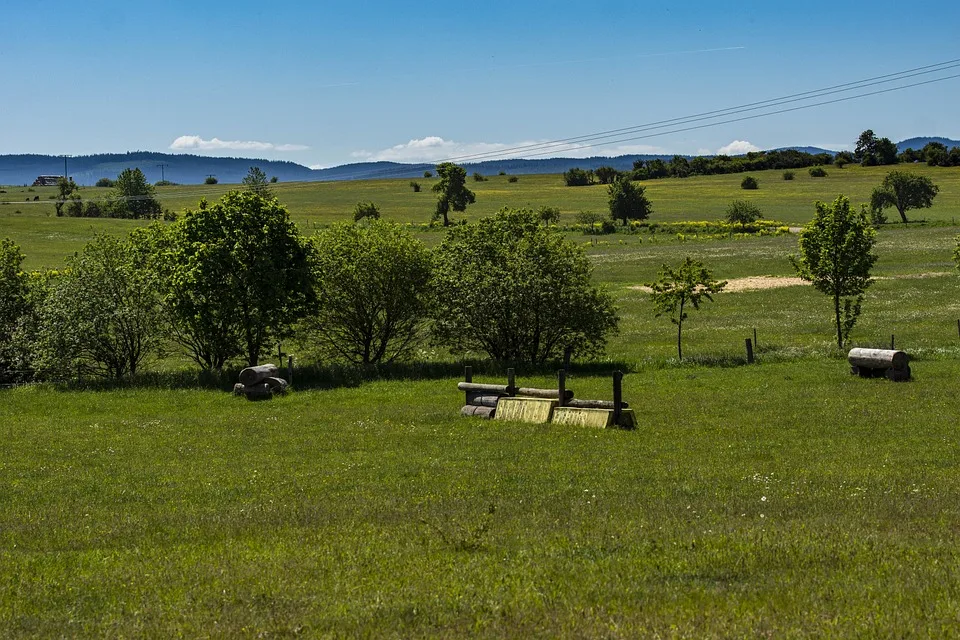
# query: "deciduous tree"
{"type": "Point", "coordinates": [679, 288]}
{"type": "Point", "coordinates": [13, 303]}
{"type": "Point", "coordinates": [904, 191]}
{"type": "Point", "coordinates": [256, 182]}
{"type": "Point", "coordinates": [836, 255]}
{"type": "Point", "coordinates": [451, 190]}
{"type": "Point", "coordinates": [627, 201]}
{"type": "Point", "coordinates": [134, 196]}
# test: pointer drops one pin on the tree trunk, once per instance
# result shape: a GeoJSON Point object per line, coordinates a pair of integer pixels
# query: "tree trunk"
{"type": "Point", "coordinates": [679, 347]}
{"type": "Point", "coordinates": [903, 214]}
{"type": "Point", "coordinates": [836, 313]}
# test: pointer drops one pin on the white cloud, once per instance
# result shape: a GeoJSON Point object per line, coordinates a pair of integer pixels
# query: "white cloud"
{"type": "Point", "coordinates": [737, 148]}
{"type": "Point", "coordinates": [435, 149]}
{"type": "Point", "coordinates": [196, 143]}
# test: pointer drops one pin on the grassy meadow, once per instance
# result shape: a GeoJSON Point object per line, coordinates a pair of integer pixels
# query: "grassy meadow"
{"type": "Point", "coordinates": [783, 499]}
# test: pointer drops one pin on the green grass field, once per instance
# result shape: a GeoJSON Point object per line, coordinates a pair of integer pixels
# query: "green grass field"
{"type": "Point", "coordinates": [783, 499]}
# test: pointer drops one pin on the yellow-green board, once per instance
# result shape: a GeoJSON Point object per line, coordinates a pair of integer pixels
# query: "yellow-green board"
{"type": "Point", "coordinates": [598, 418]}
{"type": "Point", "coordinates": [525, 409]}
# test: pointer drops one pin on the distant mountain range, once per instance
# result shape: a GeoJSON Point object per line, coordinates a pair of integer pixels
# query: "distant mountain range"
{"type": "Point", "coordinates": [194, 169]}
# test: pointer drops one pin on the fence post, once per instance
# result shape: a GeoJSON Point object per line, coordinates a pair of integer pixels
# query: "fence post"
{"type": "Point", "coordinates": [749, 351]}
{"type": "Point", "coordinates": [561, 386]}
{"type": "Point", "coordinates": [891, 342]}
{"type": "Point", "coordinates": [511, 382]}
{"type": "Point", "coordinates": [617, 396]}
{"type": "Point", "coordinates": [755, 343]}
{"type": "Point", "coordinates": [467, 377]}
{"type": "Point", "coordinates": [568, 351]}
{"type": "Point", "coordinates": [290, 370]}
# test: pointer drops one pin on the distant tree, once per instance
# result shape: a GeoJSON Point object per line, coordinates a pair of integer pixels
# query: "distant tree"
{"type": "Point", "coordinates": [676, 288]}
{"type": "Point", "coordinates": [577, 177]}
{"type": "Point", "coordinates": [211, 180]}
{"type": "Point", "coordinates": [953, 157]}
{"type": "Point", "coordinates": [366, 210]}
{"type": "Point", "coordinates": [501, 173]}
{"type": "Point", "coordinates": [427, 174]}
{"type": "Point", "coordinates": [843, 158]}
{"type": "Point", "coordinates": [678, 167]}
{"type": "Point", "coordinates": [451, 190]}
{"type": "Point", "coordinates": [519, 291]}
{"type": "Point", "coordinates": [836, 255]}
{"type": "Point", "coordinates": [164, 183]}
{"type": "Point", "coordinates": [239, 278]}
{"type": "Point", "coordinates": [104, 182]}
{"type": "Point", "coordinates": [742, 212]}
{"type": "Point", "coordinates": [935, 154]}
{"type": "Point", "coordinates": [512, 179]}
{"type": "Point", "coordinates": [134, 196]}
{"type": "Point", "coordinates": [65, 188]}
{"type": "Point", "coordinates": [373, 292]}
{"type": "Point", "coordinates": [102, 314]}
{"type": "Point", "coordinates": [256, 182]}
{"type": "Point", "coordinates": [886, 151]}
{"type": "Point", "coordinates": [549, 215]}
{"type": "Point", "coordinates": [909, 155]}
{"type": "Point", "coordinates": [478, 177]}
{"type": "Point", "coordinates": [818, 172]}
{"type": "Point", "coordinates": [904, 191]}
{"type": "Point", "coordinates": [14, 293]}
{"type": "Point", "coordinates": [606, 175]}
{"type": "Point", "coordinates": [749, 182]}
{"type": "Point", "coordinates": [274, 179]}
{"type": "Point", "coordinates": [865, 150]}
{"type": "Point", "coordinates": [656, 168]}
{"type": "Point", "coordinates": [627, 201]}
{"type": "Point", "coordinates": [415, 186]}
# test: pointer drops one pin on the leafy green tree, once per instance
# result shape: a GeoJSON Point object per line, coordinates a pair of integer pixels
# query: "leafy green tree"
{"type": "Point", "coordinates": [366, 210]}
{"type": "Point", "coordinates": [818, 172]}
{"type": "Point", "coordinates": [549, 215]}
{"type": "Point", "coordinates": [13, 304]}
{"type": "Point", "coordinates": [843, 158]}
{"type": "Point", "coordinates": [373, 292]}
{"type": "Point", "coordinates": [517, 290]}
{"type": "Point", "coordinates": [836, 255]}
{"type": "Point", "coordinates": [65, 188]}
{"type": "Point", "coordinates": [240, 278]}
{"type": "Point", "coordinates": [415, 186]}
{"type": "Point", "coordinates": [935, 154]}
{"type": "Point", "coordinates": [904, 191]}
{"type": "Point", "coordinates": [678, 289]}
{"type": "Point", "coordinates": [134, 196]}
{"type": "Point", "coordinates": [749, 182]}
{"type": "Point", "coordinates": [101, 316]}
{"type": "Point", "coordinates": [105, 182]}
{"type": "Point", "coordinates": [256, 182]}
{"type": "Point", "coordinates": [743, 213]}
{"type": "Point", "coordinates": [678, 167]}
{"type": "Point", "coordinates": [627, 201]}
{"type": "Point", "coordinates": [886, 152]}
{"type": "Point", "coordinates": [210, 180]}
{"type": "Point", "coordinates": [865, 150]}
{"type": "Point", "coordinates": [478, 177]}
{"type": "Point", "coordinates": [451, 190]}
{"type": "Point", "coordinates": [577, 177]}
{"type": "Point", "coordinates": [606, 175]}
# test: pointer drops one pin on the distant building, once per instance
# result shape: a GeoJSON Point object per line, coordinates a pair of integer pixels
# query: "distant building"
{"type": "Point", "coordinates": [46, 181]}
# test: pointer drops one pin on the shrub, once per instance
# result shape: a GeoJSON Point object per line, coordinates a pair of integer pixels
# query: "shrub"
{"type": "Point", "coordinates": [590, 218]}
{"type": "Point", "coordinates": [549, 215]}
{"type": "Point", "coordinates": [274, 180]}
{"type": "Point", "coordinates": [105, 182]}
{"type": "Point", "coordinates": [818, 172]}
{"type": "Point", "coordinates": [164, 183]}
{"type": "Point", "coordinates": [366, 210]}
{"type": "Point", "coordinates": [749, 182]}
{"type": "Point", "coordinates": [427, 174]}
{"type": "Point", "coordinates": [211, 180]}
{"type": "Point", "coordinates": [788, 175]}
{"type": "Point", "coordinates": [512, 179]}
{"type": "Point", "coordinates": [502, 173]}
{"type": "Point", "coordinates": [577, 177]}
{"type": "Point", "coordinates": [742, 212]}
{"type": "Point", "coordinates": [478, 177]}
{"type": "Point", "coordinates": [415, 186]}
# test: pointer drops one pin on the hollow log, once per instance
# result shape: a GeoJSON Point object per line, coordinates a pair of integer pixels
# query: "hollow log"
{"type": "Point", "coordinates": [253, 375]}
{"type": "Point", "coordinates": [277, 385]}
{"type": "Point", "coordinates": [595, 404]}
{"type": "Point", "coordinates": [878, 359]}
{"type": "Point", "coordinates": [478, 412]}
{"type": "Point", "coordinates": [478, 400]}
{"type": "Point", "coordinates": [259, 391]}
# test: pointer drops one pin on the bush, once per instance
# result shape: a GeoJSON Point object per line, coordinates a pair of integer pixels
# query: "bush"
{"type": "Point", "coordinates": [427, 174]}
{"type": "Point", "coordinates": [164, 183]}
{"type": "Point", "coordinates": [478, 177]}
{"type": "Point", "coordinates": [590, 218]}
{"type": "Point", "coordinates": [274, 180]}
{"type": "Point", "coordinates": [366, 210]}
{"type": "Point", "coordinates": [749, 182]}
{"type": "Point", "coordinates": [549, 215]}
{"type": "Point", "coordinates": [818, 172]}
{"type": "Point", "coordinates": [105, 182]}
{"type": "Point", "coordinates": [788, 175]}
{"type": "Point", "coordinates": [502, 173]}
{"type": "Point", "coordinates": [577, 177]}
{"type": "Point", "coordinates": [211, 180]}
{"type": "Point", "coordinates": [512, 179]}
{"type": "Point", "coordinates": [742, 212]}
{"type": "Point", "coordinates": [415, 186]}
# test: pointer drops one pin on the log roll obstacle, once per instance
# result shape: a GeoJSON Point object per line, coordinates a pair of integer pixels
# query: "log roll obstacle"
{"type": "Point", "coordinates": [260, 383]}
{"type": "Point", "coordinates": [529, 404]}
{"type": "Point", "coordinates": [873, 363]}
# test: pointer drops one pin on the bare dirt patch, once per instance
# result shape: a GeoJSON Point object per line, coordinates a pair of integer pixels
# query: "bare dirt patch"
{"type": "Point", "coordinates": [753, 283]}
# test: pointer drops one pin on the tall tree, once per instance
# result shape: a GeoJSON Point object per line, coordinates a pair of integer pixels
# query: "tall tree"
{"type": "Point", "coordinates": [66, 187]}
{"type": "Point", "coordinates": [866, 146]}
{"type": "Point", "coordinates": [517, 290]}
{"type": "Point", "coordinates": [13, 303]}
{"type": "Point", "coordinates": [836, 255]}
{"type": "Point", "coordinates": [451, 190]}
{"type": "Point", "coordinates": [678, 289]}
{"type": "Point", "coordinates": [627, 201]}
{"type": "Point", "coordinates": [256, 182]}
{"type": "Point", "coordinates": [373, 292]}
{"type": "Point", "coordinates": [240, 277]}
{"type": "Point", "coordinates": [134, 196]}
{"type": "Point", "coordinates": [904, 191]}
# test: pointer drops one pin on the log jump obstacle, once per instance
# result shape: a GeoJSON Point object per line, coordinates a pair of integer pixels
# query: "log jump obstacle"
{"type": "Point", "coordinates": [260, 383]}
{"type": "Point", "coordinates": [530, 404]}
{"type": "Point", "coordinates": [873, 363]}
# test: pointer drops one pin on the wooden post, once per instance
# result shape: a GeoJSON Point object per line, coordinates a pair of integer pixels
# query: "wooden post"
{"type": "Point", "coordinates": [891, 343]}
{"type": "Point", "coordinates": [467, 377]}
{"type": "Point", "coordinates": [561, 386]}
{"type": "Point", "coordinates": [958, 328]}
{"type": "Point", "coordinates": [755, 336]}
{"type": "Point", "coordinates": [617, 396]}
{"type": "Point", "coordinates": [568, 351]}
{"type": "Point", "coordinates": [511, 382]}
{"type": "Point", "coordinates": [280, 353]}
{"type": "Point", "coordinates": [749, 351]}
{"type": "Point", "coordinates": [290, 370]}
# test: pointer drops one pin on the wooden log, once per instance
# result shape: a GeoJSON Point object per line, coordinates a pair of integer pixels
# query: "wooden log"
{"type": "Point", "coordinates": [478, 412]}
{"type": "Point", "coordinates": [550, 394]}
{"type": "Point", "coordinates": [480, 400]}
{"type": "Point", "coordinates": [253, 375]}
{"type": "Point", "coordinates": [878, 359]}
{"type": "Point", "coordinates": [486, 388]}
{"type": "Point", "coordinates": [259, 391]}
{"type": "Point", "coordinates": [594, 404]}
{"type": "Point", "coordinates": [277, 385]}
{"type": "Point", "coordinates": [239, 389]}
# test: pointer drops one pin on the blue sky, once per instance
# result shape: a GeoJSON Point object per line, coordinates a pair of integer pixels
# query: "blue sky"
{"type": "Point", "coordinates": [327, 83]}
